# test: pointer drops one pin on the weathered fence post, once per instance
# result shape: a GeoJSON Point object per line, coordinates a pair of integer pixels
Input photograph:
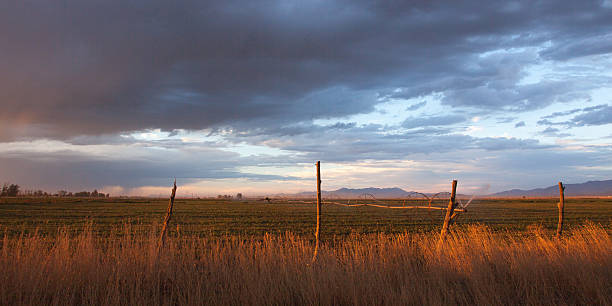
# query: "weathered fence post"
{"type": "Point", "coordinates": [449, 211]}
{"type": "Point", "coordinates": [561, 205]}
{"type": "Point", "coordinates": [317, 232]}
{"type": "Point", "coordinates": [168, 216]}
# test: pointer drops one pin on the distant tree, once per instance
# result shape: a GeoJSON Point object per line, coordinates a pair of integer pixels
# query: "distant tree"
{"type": "Point", "coordinates": [4, 191]}
{"type": "Point", "coordinates": [9, 190]}
{"type": "Point", "coordinates": [83, 194]}
{"type": "Point", "coordinates": [239, 196]}
{"type": "Point", "coordinates": [13, 190]}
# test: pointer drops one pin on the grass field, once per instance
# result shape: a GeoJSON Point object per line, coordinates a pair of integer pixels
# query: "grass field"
{"type": "Point", "coordinates": [105, 252]}
{"type": "Point", "coordinates": [208, 217]}
{"type": "Point", "coordinates": [474, 266]}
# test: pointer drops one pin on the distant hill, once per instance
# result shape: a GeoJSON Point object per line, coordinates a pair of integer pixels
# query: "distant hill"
{"type": "Point", "coordinates": [591, 188]}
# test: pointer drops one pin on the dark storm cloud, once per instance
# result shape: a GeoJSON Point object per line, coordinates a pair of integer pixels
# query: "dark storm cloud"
{"type": "Point", "coordinates": [101, 139]}
{"type": "Point", "coordinates": [103, 67]}
{"type": "Point", "coordinates": [513, 97]}
{"type": "Point", "coordinates": [291, 130]}
{"type": "Point", "coordinates": [581, 46]}
{"type": "Point", "coordinates": [75, 170]}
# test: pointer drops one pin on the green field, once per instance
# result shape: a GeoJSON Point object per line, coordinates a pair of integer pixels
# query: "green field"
{"type": "Point", "coordinates": [210, 217]}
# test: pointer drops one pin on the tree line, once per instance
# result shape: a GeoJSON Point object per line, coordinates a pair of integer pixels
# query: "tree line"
{"type": "Point", "coordinates": [9, 190]}
{"type": "Point", "coordinates": [14, 190]}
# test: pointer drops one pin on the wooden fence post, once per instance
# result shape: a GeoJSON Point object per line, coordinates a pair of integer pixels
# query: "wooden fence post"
{"type": "Point", "coordinates": [317, 232]}
{"type": "Point", "coordinates": [561, 205]}
{"type": "Point", "coordinates": [449, 211]}
{"type": "Point", "coordinates": [168, 216]}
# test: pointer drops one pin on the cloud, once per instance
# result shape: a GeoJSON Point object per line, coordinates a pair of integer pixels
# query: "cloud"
{"type": "Point", "coordinates": [513, 97]}
{"type": "Point", "coordinates": [595, 116]}
{"type": "Point", "coordinates": [561, 114]}
{"type": "Point", "coordinates": [554, 132]}
{"type": "Point", "coordinates": [108, 67]}
{"type": "Point", "coordinates": [580, 46]}
{"type": "Point", "coordinates": [505, 119]}
{"type": "Point", "coordinates": [95, 75]}
{"type": "Point", "coordinates": [496, 144]}
{"type": "Point", "coordinates": [85, 166]}
{"type": "Point", "coordinates": [378, 142]}
{"type": "Point", "coordinates": [519, 124]}
{"type": "Point", "coordinates": [588, 116]}
{"type": "Point", "coordinates": [414, 122]}
{"type": "Point", "coordinates": [416, 106]}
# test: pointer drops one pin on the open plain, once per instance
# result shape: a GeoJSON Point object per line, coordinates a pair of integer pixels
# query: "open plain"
{"type": "Point", "coordinates": [214, 217]}
{"type": "Point", "coordinates": [106, 252]}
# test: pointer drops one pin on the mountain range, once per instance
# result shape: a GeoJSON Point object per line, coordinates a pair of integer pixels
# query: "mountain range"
{"type": "Point", "coordinates": [591, 188]}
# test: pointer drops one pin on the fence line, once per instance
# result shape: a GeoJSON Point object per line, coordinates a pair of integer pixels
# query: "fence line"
{"type": "Point", "coordinates": [314, 257]}
{"type": "Point", "coordinates": [560, 205]}
{"type": "Point", "coordinates": [162, 235]}
{"type": "Point", "coordinates": [448, 219]}
{"type": "Point", "coordinates": [451, 209]}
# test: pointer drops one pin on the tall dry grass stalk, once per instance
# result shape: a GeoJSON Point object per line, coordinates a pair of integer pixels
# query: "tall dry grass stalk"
{"type": "Point", "coordinates": [475, 266]}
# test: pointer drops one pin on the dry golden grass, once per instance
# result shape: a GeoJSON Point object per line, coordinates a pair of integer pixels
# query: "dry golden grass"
{"type": "Point", "coordinates": [475, 266]}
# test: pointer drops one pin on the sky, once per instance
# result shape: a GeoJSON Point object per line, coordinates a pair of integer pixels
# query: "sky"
{"type": "Point", "coordinates": [244, 96]}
